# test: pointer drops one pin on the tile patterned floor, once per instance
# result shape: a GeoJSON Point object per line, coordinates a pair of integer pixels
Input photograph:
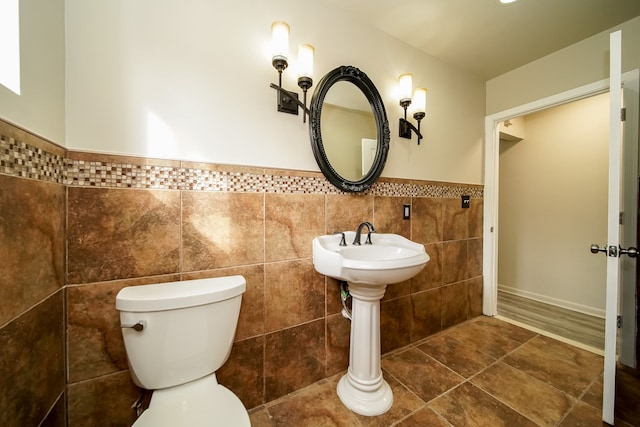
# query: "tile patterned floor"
{"type": "Point", "coordinates": [484, 372]}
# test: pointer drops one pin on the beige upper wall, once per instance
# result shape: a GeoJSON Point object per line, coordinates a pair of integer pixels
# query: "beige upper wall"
{"type": "Point", "coordinates": [190, 80]}
{"type": "Point", "coordinates": [577, 65]}
{"type": "Point", "coordinates": [40, 105]}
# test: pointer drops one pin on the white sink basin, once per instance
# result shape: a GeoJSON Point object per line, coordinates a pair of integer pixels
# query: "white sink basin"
{"type": "Point", "coordinates": [368, 269]}
{"type": "Point", "coordinates": [389, 259]}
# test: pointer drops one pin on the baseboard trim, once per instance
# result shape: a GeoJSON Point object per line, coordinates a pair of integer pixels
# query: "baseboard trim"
{"type": "Point", "coordinates": [591, 311]}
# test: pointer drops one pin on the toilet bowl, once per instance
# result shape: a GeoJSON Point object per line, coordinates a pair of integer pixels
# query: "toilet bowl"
{"type": "Point", "coordinates": [177, 335]}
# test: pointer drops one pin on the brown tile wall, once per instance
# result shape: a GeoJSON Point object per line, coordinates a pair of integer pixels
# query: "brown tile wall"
{"type": "Point", "coordinates": [290, 331]}
{"type": "Point", "coordinates": [32, 347]}
{"type": "Point", "coordinates": [130, 222]}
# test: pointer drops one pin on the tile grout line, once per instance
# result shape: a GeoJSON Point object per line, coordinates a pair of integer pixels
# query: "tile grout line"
{"type": "Point", "coordinates": [574, 400]}
{"type": "Point", "coordinates": [469, 379]}
{"type": "Point", "coordinates": [579, 399]}
{"type": "Point", "coordinates": [465, 380]}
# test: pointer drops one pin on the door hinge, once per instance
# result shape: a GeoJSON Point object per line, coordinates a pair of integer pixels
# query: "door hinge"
{"type": "Point", "coordinates": [623, 114]}
{"type": "Point", "coordinates": [619, 321]}
{"type": "Point", "coordinates": [621, 219]}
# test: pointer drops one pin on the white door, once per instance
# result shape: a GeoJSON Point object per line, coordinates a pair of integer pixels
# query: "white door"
{"type": "Point", "coordinates": [368, 154]}
{"type": "Point", "coordinates": [613, 249]}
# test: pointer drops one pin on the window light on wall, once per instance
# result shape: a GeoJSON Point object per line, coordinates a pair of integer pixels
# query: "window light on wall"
{"type": "Point", "coordinates": [10, 44]}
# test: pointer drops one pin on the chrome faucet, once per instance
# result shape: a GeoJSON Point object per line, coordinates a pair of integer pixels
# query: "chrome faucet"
{"type": "Point", "coordinates": [369, 226]}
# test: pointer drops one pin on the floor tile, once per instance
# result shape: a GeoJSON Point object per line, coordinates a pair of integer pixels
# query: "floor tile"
{"type": "Point", "coordinates": [404, 403]}
{"type": "Point", "coordinates": [423, 375]}
{"type": "Point", "coordinates": [467, 405]}
{"type": "Point", "coordinates": [583, 415]}
{"type": "Point", "coordinates": [315, 405]}
{"type": "Point", "coordinates": [260, 417]}
{"type": "Point", "coordinates": [423, 417]}
{"type": "Point", "coordinates": [529, 396]}
{"type": "Point", "coordinates": [593, 395]}
{"type": "Point", "coordinates": [505, 329]}
{"type": "Point", "coordinates": [459, 357]}
{"type": "Point", "coordinates": [483, 339]}
{"type": "Point", "coordinates": [576, 356]}
{"type": "Point", "coordinates": [540, 358]}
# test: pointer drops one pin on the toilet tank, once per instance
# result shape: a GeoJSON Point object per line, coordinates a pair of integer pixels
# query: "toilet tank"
{"type": "Point", "coordinates": [188, 332]}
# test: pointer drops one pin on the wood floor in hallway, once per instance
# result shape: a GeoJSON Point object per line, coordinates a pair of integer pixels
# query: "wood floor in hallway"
{"type": "Point", "coordinates": [484, 372]}
{"type": "Point", "coordinates": [572, 325]}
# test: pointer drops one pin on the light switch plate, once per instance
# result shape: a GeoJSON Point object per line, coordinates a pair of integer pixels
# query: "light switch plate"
{"type": "Point", "coordinates": [406, 211]}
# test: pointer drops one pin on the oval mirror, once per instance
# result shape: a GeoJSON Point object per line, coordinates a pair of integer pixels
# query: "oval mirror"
{"type": "Point", "coordinates": [349, 129]}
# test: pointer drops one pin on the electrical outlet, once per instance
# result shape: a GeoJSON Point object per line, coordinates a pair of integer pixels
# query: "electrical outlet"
{"type": "Point", "coordinates": [466, 202]}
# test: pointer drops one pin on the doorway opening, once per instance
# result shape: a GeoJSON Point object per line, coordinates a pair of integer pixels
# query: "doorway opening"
{"type": "Point", "coordinates": [491, 199]}
{"type": "Point", "coordinates": [552, 205]}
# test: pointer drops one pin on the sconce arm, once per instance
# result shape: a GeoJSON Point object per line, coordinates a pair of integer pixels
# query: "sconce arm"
{"type": "Point", "coordinates": [404, 124]}
{"type": "Point", "coordinates": [291, 95]}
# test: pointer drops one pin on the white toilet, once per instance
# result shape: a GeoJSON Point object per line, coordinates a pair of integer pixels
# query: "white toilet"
{"type": "Point", "coordinates": [177, 335]}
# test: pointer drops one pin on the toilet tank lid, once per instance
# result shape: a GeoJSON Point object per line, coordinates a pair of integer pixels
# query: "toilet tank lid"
{"type": "Point", "coordinates": [174, 295]}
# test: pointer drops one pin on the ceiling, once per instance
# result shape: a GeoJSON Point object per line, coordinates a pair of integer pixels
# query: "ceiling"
{"type": "Point", "coordinates": [486, 37]}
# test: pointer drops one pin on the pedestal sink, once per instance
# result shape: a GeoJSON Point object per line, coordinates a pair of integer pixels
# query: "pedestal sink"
{"type": "Point", "coordinates": [368, 269]}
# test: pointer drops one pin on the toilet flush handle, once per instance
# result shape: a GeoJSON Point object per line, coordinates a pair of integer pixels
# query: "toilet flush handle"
{"type": "Point", "coordinates": [137, 327]}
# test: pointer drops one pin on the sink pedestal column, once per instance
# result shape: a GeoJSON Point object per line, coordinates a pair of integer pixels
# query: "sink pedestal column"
{"type": "Point", "coordinates": [362, 389]}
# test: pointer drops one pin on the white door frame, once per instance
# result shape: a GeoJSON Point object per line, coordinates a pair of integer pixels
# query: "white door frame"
{"type": "Point", "coordinates": [491, 174]}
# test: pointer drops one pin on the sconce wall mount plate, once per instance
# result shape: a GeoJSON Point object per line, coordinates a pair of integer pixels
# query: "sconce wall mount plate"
{"type": "Point", "coordinates": [288, 102]}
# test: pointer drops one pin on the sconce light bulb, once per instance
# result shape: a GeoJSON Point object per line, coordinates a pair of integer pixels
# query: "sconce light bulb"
{"type": "Point", "coordinates": [305, 60]}
{"type": "Point", "coordinates": [420, 100]}
{"type": "Point", "coordinates": [405, 83]}
{"type": "Point", "coordinates": [280, 44]}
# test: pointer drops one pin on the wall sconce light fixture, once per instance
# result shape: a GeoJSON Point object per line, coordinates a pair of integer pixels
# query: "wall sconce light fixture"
{"type": "Point", "coordinates": [288, 101]}
{"type": "Point", "coordinates": [405, 82]}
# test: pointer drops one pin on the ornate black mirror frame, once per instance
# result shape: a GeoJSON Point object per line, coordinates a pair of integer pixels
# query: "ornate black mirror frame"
{"type": "Point", "coordinates": [357, 77]}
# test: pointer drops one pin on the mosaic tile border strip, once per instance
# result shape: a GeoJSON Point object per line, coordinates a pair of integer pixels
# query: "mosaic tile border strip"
{"type": "Point", "coordinates": [23, 160]}
{"type": "Point", "coordinates": [120, 175]}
